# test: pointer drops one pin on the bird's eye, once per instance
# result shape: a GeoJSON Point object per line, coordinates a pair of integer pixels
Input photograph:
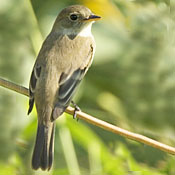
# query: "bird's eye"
{"type": "Point", "coordinates": [73, 17]}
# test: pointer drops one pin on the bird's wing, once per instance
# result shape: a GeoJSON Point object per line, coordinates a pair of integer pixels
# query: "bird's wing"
{"type": "Point", "coordinates": [67, 89]}
{"type": "Point", "coordinates": [33, 80]}
{"type": "Point", "coordinates": [45, 49]}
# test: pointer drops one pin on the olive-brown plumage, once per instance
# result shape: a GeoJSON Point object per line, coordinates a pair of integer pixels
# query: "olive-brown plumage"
{"type": "Point", "coordinates": [63, 60]}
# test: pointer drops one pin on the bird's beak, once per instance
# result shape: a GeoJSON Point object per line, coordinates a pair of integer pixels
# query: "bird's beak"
{"type": "Point", "coordinates": [92, 18]}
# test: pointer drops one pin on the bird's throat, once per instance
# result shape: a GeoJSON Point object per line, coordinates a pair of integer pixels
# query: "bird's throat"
{"type": "Point", "coordinates": [84, 32]}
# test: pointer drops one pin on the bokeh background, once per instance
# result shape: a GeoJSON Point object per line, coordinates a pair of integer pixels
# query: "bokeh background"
{"type": "Point", "coordinates": [131, 84]}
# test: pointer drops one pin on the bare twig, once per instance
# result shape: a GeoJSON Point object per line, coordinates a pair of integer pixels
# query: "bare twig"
{"type": "Point", "coordinates": [14, 87]}
{"type": "Point", "coordinates": [98, 122]}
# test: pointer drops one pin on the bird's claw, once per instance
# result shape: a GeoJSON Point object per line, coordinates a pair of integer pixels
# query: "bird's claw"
{"type": "Point", "coordinates": [75, 110]}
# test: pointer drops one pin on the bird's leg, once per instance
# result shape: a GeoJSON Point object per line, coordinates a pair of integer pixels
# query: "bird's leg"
{"type": "Point", "coordinates": [75, 110]}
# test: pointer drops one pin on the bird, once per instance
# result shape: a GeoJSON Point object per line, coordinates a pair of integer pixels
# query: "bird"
{"type": "Point", "coordinates": [62, 62]}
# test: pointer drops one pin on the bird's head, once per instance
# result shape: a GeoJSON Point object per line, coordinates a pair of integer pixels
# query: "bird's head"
{"type": "Point", "coordinates": [74, 19]}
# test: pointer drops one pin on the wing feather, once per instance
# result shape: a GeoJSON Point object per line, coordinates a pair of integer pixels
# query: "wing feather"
{"type": "Point", "coordinates": [67, 89]}
{"type": "Point", "coordinates": [66, 92]}
{"type": "Point", "coordinates": [33, 81]}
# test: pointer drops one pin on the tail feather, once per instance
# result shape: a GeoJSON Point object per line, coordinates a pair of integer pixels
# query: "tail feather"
{"type": "Point", "coordinates": [38, 147]}
{"type": "Point", "coordinates": [45, 156]}
{"type": "Point", "coordinates": [43, 151]}
{"type": "Point", "coordinates": [51, 148]}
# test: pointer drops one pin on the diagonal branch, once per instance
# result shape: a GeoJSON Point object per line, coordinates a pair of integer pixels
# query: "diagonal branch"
{"type": "Point", "coordinates": [98, 122]}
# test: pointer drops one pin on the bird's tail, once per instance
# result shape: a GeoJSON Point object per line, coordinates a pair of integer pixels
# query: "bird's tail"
{"type": "Point", "coordinates": [44, 147]}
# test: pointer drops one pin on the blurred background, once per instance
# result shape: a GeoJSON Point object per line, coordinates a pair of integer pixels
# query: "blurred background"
{"type": "Point", "coordinates": [131, 84]}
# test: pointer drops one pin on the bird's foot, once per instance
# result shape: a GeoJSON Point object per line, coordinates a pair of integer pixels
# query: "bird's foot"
{"type": "Point", "coordinates": [75, 110]}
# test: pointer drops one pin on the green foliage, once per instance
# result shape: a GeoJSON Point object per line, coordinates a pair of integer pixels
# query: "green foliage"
{"type": "Point", "coordinates": [131, 84]}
